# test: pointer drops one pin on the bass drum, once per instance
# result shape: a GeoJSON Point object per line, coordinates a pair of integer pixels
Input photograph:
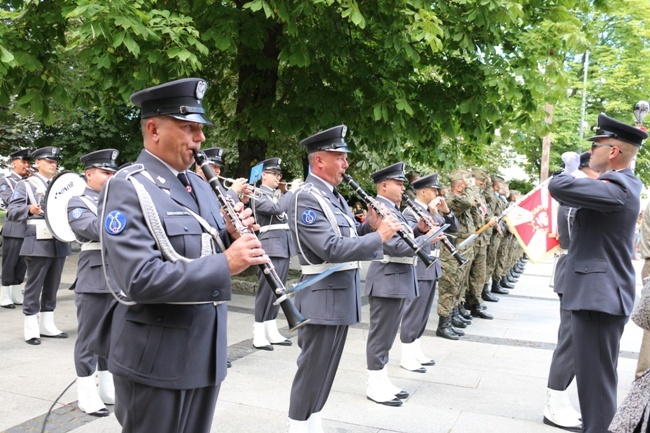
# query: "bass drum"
{"type": "Point", "coordinates": [61, 189]}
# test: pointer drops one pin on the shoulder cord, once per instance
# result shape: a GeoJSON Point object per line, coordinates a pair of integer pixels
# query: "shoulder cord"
{"type": "Point", "coordinates": [30, 193]}
{"type": "Point", "coordinates": [152, 219]}
{"type": "Point", "coordinates": [327, 210]}
{"type": "Point", "coordinates": [155, 227]}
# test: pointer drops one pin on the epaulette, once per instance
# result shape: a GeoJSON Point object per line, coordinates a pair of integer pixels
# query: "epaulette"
{"type": "Point", "coordinates": [307, 187]}
{"type": "Point", "coordinates": [128, 171]}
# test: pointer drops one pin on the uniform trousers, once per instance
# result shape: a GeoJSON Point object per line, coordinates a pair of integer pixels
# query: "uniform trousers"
{"type": "Point", "coordinates": [476, 278]}
{"type": "Point", "coordinates": [596, 341]}
{"type": "Point", "coordinates": [43, 279]}
{"type": "Point", "coordinates": [321, 347]}
{"type": "Point", "coordinates": [448, 286]}
{"type": "Point", "coordinates": [163, 410]}
{"type": "Point", "coordinates": [13, 265]}
{"type": "Point", "coordinates": [491, 255]}
{"type": "Point", "coordinates": [265, 297]}
{"type": "Point", "coordinates": [416, 312]}
{"type": "Point", "coordinates": [385, 315]}
{"type": "Point", "coordinates": [91, 307]}
{"type": "Point", "coordinates": [562, 369]}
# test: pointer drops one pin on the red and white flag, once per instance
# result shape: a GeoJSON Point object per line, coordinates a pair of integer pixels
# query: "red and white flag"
{"type": "Point", "coordinates": [532, 220]}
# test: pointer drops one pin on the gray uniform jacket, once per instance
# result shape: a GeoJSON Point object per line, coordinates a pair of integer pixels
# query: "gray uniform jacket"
{"type": "Point", "coordinates": [336, 299]}
{"type": "Point", "coordinates": [599, 275]}
{"type": "Point", "coordinates": [435, 271]}
{"type": "Point", "coordinates": [158, 342]}
{"type": "Point", "coordinates": [11, 229]}
{"type": "Point", "coordinates": [18, 211]}
{"type": "Point", "coordinates": [393, 280]}
{"type": "Point", "coordinates": [83, 222]}
{"type": "Point", "coordinates": [271, 211]}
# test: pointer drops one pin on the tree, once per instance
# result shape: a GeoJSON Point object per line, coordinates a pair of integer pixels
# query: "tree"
{"type": "Point", "coordinates": [436, 83]}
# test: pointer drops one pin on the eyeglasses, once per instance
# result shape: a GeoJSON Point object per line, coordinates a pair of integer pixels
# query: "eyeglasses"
{"type": "Point", "coordinates": [274, 173]}
{"type": "Point", "coordinates": [594, 146]}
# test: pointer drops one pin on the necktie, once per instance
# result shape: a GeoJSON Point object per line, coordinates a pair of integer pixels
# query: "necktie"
{"type": "Point", "coordinates": [338, 197]}
{"type": "Point", "coordinates": [181, 176]}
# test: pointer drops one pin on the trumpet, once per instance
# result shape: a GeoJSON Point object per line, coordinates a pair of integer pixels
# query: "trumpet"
{"type": "Point", "coordinates": [294, 318]}
{"type": "Point", "coordinates": [431, 224]}
{"type": "Point", "coordinates": [256, 193]}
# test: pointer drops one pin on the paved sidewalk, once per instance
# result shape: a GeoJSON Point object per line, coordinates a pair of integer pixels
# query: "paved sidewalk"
{"type": "Point", "coordinates": [492, 380]}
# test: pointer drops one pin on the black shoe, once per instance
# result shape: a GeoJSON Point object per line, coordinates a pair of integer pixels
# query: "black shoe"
{"type": "Point", "coordinates": [466, 320]}
{"type": "Point", "coordinates": [9, 306]}
{"type": "Point", "coordinates": [402, 395]}
{"type": "Point", "coordinates": [499, 290]}
{"type": "Point", "coordinates": [457, 331]}
{"type": "Point", "coordinates": [464, 313]}
{"type": "Point", "coordinates": [268, 347]}
{"type": "Point", "coordinates": [457, 322]}
{"type": "Point", "coordinates": [444, 329]}
{"type": "Point", "coordinates": [61, 335]}
{"type": "Point", "coordinates": [477, 311]}
{"type": "Point", "coordinates": [510, 279]}
{"type": "Point", "coordinates": [283, 343]}
{"type": "Point", "coordinates": [505, 283]}
{"type": "Point", "coordinates": [33, 341]}
{"type": "Point", "coordinates": [99, 413]}
{"type": "Point", "coordinates": [228, 364]}
{"type": "Point", "coordinates": [551, 423]}
{"type": "Point", "coordinates": [486, 295]}
{"type": "Point", "coordinates": [394, 402]}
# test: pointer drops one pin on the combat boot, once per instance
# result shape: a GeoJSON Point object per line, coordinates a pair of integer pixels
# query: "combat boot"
{"type": "Point", "coordinates": [457, 331]}
{"type": "Point", "coordinates": [477, 311]}
{"type": "Point", "coordinates": [486, 295]}
{"type": "Point", "coordinates": [444, 329]}
{"type": "Point", "coordinates": [505, 283]}
{"type": "Point", "coordinates": [466, 320]}
{"type": "Point", "coordinates": [457, 322]}
{"type": "Point", "coordinates": [496, 288]}
{"type": "Point", "coordinates": [464, 312]}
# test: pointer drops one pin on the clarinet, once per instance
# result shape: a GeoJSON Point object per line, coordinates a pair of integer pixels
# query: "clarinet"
{"type": "Point", "coordinates": [372, 203]}
{"type": "Point", "coordinates": [430, 223]}
{"type": "Point", "coordinates": [294, 318]}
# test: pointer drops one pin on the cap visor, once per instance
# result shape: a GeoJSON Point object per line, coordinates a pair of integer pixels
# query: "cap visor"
{"type": "Point", "coordinates": [338, 149]}
{"type": "Point", "coordinates": [190, 118]}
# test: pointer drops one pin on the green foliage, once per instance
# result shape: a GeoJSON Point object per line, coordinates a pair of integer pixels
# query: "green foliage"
{"type": "Point", "coordinates": [437, 85]}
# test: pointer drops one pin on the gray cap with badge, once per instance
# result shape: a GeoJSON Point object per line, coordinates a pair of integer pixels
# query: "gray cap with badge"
{"type": "Point", "coordinates": [180, 99]}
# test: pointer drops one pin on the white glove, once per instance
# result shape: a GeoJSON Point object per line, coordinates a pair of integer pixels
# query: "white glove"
{"type": "Point", "coordinates": [571, 161]}
{"type": "Point", "coordinates": [295, 184]}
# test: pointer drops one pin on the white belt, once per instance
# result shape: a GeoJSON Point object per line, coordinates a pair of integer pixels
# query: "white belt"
{"type": "Point", "coordinates": [317, 269]}
{"type": "Point", "coordinates": [91, 246]}
{"type": "Point", "coordinates": [274, 227]}
{"type": "Point", "coordinates": [403, 260]}
{"type": "Point", "coordinates": [563, 251]}
{"type": "Point", "coordinates": [435, 253]}
{"type": "Point", "coordinates": [196, 303]}
{"type": "Point", "coordinates": [36, 222]}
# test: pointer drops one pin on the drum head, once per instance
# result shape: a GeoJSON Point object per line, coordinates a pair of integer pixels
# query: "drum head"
{"type": "Point", "coordinates": [61, 189]}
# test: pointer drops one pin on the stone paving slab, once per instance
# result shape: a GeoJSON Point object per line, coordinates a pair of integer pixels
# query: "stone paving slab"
{"type": "Point", "coordinates": [492, 380]}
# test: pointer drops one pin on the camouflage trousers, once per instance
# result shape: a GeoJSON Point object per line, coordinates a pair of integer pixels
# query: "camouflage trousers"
{"type": "Point", "coordinates": [503, 257]}
{"type": "Point", "coordinates": [477, 275]}
{"type": "Point", "coordinates": [453, 283]}
{"type": "Point", "coordinates": [491, 256]}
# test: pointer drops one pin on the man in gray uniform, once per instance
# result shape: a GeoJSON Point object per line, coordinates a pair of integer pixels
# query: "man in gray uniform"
{"type": "Point", "coordinates": [13, 232]}
{"type": "Point", "coordinates": [390, 282]}
{"type": "Point", "coordinates": [238, 188]}
{"type": "Point", "coordinates": [168, 249]}
{"type": "Point", "coordinates": [92, 296]}
{"type": "Point", "coordinates": [44, 254]}
{"type": "Point", "coordinates": [324, 233]}
{"type": "Point", "coordinates": [270, 211]}
{"type": "Point", "coordinates": [558, 411]}
{"type": "Point", "coordinates": [599, 282]}
{"type": "Point", "coordinates": [417, 311]}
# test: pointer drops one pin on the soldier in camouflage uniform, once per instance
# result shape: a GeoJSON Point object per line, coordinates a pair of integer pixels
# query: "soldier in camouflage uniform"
{"type": "Point", "coordinates": [498, 205]}
{"type": "Point", "coordinates": [482, 215]}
